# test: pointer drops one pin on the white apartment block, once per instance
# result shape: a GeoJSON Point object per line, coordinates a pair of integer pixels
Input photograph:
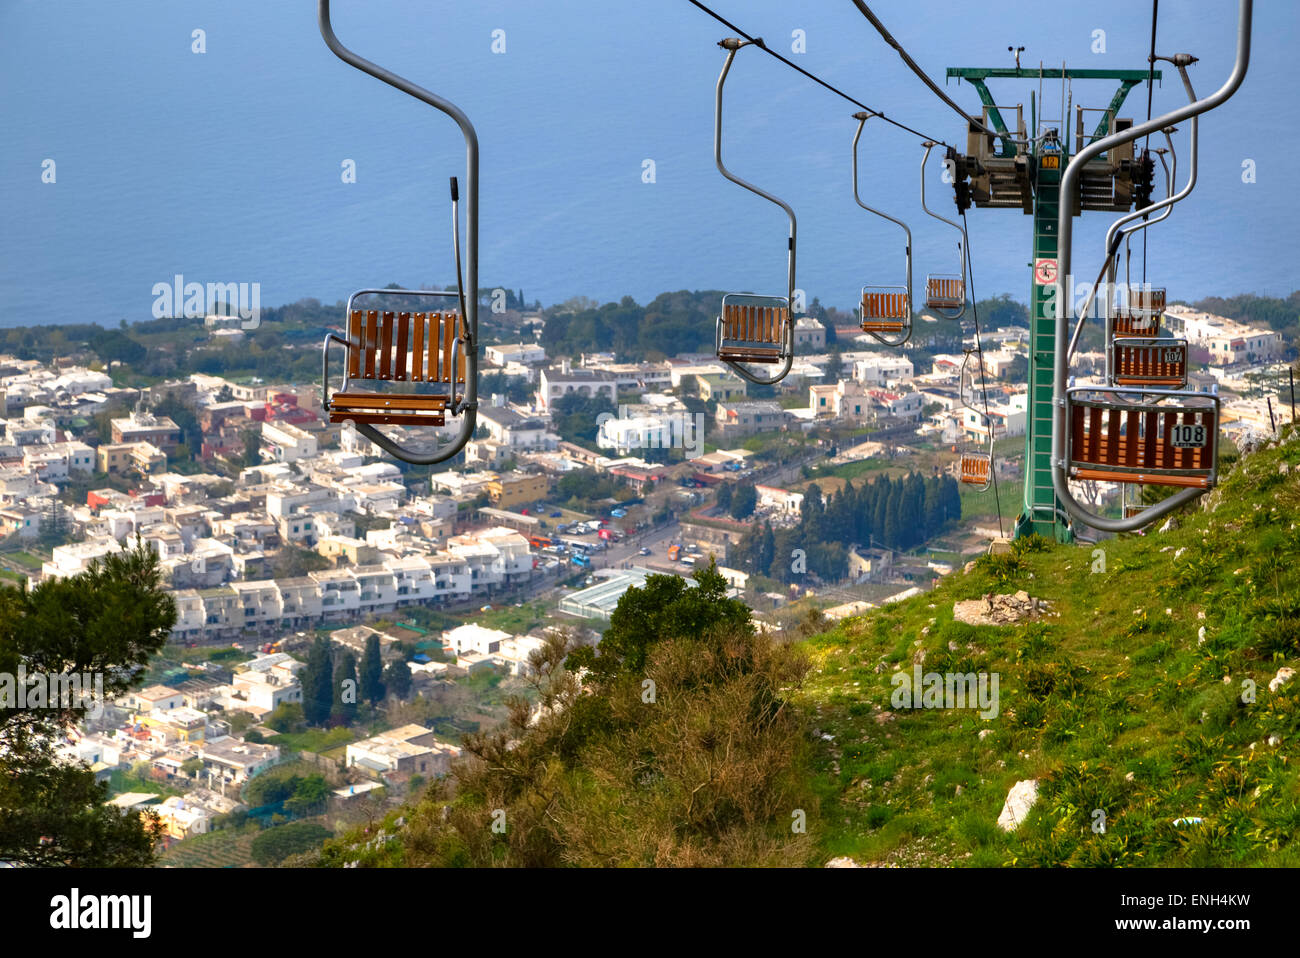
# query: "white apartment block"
{"type": "Point", "coordinates": [57, 461]}
{"type": "Point", "coordinates": [76, 557]}
{"type": "Point", "coordinates": [883, 371]}
{"type": "Point", "coordinates": [283, 442]}
{"type": "Point", "coordinates": [638, 375]}
{"type": "Point", "coordinates": [472, 565]}
{"type": "Point", "coordinates": [505, 354]}
{"type": "Point", "coordinates": [902, 405]}
{"type": "Point", "coordinates": [1227, 341]}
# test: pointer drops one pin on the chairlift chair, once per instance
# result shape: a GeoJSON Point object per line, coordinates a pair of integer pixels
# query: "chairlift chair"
{"type": "Point", "coordinates": [975, 468]}
{"type": "Point", "coordinates": [886, 310]}
{"type": "Point", "coordinates": [945, 292]}
{"type": "Point", "coordinates": [1159, 362]}
{"type": "Point", "coordinates": [1131, 500]}
{"type": "Point", "coordinates": [753, 328]}
{"type": "Point", "coordinates": [1166, 438]}
{"type": "Point", "coordinates": [1139, 315]}
{"type": "Point", "coordinates": [402, 349]}
{"type": "Point", "coordinates": [411, 367]}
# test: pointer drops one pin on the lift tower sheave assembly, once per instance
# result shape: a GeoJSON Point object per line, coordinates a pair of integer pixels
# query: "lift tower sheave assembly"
{"type": "Point", "coordinates": [1019, 169]}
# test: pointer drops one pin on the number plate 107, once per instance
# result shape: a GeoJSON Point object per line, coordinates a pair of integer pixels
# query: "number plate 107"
{"type": "Point", "coordinates": [1187, 436]}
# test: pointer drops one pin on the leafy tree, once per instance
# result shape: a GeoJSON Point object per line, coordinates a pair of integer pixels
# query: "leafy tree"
{"type": "Point", "coordinates": [724, 496]}
{"type": "Point", "coordinates": [309, 796]}
{"type": "Point", "coordinates": [371, 672]}
{"type": "Point", "coordinates": [575, 416]}
{"type": "Point", "coordinates": [186, 420]}
{"type": "Point", "coordinates": [744, 500]}
{"type": "Point", "coordinates": [107, 621]}
{"type": "Point", "coordinates": [703, 772]}
{"type": "Point", "coordinates": [269, 788]}
{"type": "Point", "coordinates": [114, 346]}
{"type": "Point", "coordinates": [834, 366]}
{"type": "Point", "coordinates": [1002, 311]}
{"type": "Point", "coordinates": [287, 717]}
{"type": "Point", "coordinates": [397, 679]}
{"type": "Point", "coordinates": [666, 605]}
{"type": "Point", "coordinates": [252, 447]}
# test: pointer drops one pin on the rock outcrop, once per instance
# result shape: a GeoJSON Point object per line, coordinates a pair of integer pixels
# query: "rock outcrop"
{"type": "Point", "coordinates": [1019, 801]}
{"type": "Point", "coordinates": [999, 609]}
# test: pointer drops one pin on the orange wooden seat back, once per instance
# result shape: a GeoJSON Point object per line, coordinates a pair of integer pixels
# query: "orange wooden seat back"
{"type": "Point", "coordinates": [1107, 442]}
{"type": "Point", "coordinates": [889, 306]}
{"type": "Point", "coordinates": [754, 324]}
{"type": "Point", "coordinates": [403, 346]}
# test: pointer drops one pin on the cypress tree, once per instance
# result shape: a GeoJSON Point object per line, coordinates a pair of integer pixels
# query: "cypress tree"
{"type": "Point", "coordinates": [318, 683]}
{"type": "Point", "coordinates": [343, 710]}
{"type": "Point", "coordinates": [371, 672]}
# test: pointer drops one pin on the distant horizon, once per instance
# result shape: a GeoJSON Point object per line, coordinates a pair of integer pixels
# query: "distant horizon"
{"type": "Point", "coordinates": [601, 303]}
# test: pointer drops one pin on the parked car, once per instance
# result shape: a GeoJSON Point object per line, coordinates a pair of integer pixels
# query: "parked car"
{"type": "Point", "coordinates": [618, 513]}
{"type": "Point", "coordinates": [557, 514]}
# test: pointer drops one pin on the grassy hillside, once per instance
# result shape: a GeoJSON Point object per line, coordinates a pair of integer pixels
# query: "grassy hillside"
{"type": "Point", "coordinates": [1116, 701]}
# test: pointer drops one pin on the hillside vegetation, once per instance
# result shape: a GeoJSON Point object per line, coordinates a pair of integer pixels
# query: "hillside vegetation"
{"type": "Point", "coordinates": [1114, 701]}
{"type": "Point", "coordinates": [1126, 713]}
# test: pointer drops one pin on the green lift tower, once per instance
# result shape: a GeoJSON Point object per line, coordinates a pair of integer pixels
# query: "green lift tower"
{"type": "Point", "coordinates": [1014, 170]}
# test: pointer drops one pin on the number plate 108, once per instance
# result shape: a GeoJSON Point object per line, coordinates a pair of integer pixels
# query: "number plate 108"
{"type": "Point", "coordinates": [1187, 436]}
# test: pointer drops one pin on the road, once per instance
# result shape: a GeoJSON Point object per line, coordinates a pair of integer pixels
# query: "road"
{"type": "Point", "coordinates": [627, 551]}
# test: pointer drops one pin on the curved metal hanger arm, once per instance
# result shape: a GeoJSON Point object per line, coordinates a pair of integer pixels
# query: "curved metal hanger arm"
{"type": "Point", "coordinates": [862, 122]}
{"type": "Point", "coordinates": [733, 46]}
{"type": "Point", "coordinates": [468, 406]}
{"type": "Point", "coordinates": [961, 230]}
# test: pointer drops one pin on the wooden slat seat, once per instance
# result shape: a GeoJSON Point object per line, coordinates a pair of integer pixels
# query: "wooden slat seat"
{"type": "Point", "coordinates": [976, 468]}
{"type": "Point", "coordinates": [1120, 443]}
{"type": "Point", "coordinates": [945, 292]}
{"type": "Point", "coordinates": [885, 310]}
{"type": "Point", "coordinates": [388, 408]}
{"type": "Point", "coordinates": [399, 347]}
{"type": "Point", "coordinates": [754, 333]}
{"type": "Point", "coordinates": [1157, 363]}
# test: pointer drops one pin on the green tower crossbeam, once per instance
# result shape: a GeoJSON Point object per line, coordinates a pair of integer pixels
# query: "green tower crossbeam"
{"type": "Point", "coordinates": [1041, 511]}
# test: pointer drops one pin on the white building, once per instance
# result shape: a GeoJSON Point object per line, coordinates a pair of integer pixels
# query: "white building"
{"type": "Point", "coordinates": [779, 500]}
{"type": "Point", "coordinates": [525, 353]}
{"type": "Point", "coordinates": [473, 638]}
{"type": "Point", "coordinates": [809, 333]}
{"type": "Point", "coordinates": [563, 380]}
{"type": "Point", "coordinates": [284, 442]}
{"type": "Point", "coordinates": [1227, 341]}
{"type": "Point", "coordinates": [883, 371]}
{"type": "Point", "coordinates": [76, 557]}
